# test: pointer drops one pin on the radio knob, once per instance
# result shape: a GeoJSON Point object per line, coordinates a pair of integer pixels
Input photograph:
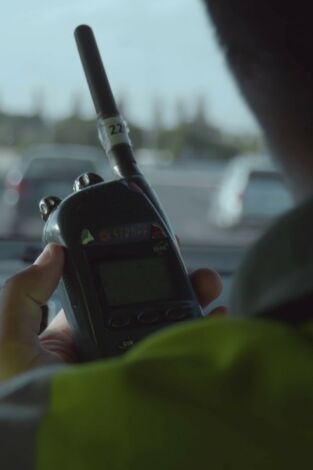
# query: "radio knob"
{"type": "Point", "coordinates": [47, 205]}
{"type": "Point", "coordinates": [85, 180]}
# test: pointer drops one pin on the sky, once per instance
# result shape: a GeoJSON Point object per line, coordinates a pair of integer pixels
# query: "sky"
{"type": "Point", "coordinates": [157, 50]}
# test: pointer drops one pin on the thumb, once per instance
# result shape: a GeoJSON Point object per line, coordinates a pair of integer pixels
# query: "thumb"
{"type": "Point", "coordinates": [24, 293]}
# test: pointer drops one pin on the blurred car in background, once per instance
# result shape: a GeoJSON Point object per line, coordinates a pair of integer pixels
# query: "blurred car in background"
{"type": "Point", "coordinates": [251, 191]}
{"type": "Point", "coordinates": [44, 171]}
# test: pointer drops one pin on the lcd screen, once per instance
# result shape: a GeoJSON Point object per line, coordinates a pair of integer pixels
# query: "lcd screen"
{"type": "Point", "coordinates": [136, 280]}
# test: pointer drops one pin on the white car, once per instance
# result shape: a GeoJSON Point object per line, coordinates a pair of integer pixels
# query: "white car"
{"type": "Point", "coordinates": [252, 191]}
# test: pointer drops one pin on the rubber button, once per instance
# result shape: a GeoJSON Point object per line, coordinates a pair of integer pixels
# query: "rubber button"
{"type": "Point", "coordinates": [120, 321]}
{"type": "Point", "coordinates": [148, 318]}
{"type": "Point", "coordinates": [126, 344]}
{"type": "Point", "coordinates": [176, 314]}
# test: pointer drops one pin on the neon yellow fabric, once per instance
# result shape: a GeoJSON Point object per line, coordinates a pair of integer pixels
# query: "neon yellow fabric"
{"type": "Point", "coordinates": [214, 394]}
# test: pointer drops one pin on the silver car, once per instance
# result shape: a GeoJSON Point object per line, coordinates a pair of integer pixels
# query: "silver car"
{"type": "Point", "coordinates": [252, 191]}
{"type": "Point", "coordinates": [46, 170]}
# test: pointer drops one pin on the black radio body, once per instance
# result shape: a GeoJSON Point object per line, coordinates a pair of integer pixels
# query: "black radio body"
{"type": "Point", "coordinates": [124, 277]}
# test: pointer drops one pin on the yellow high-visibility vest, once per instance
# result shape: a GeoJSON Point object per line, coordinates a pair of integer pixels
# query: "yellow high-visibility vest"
{"type": "Point", "coordinates": [212, 394]}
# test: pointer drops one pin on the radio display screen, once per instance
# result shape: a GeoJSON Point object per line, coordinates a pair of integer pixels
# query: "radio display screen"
{"type": "Point", "coordinates": [136, 280]}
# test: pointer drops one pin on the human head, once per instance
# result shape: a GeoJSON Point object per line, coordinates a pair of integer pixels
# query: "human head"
{"type": "Point", "coordinates": [269, 45]}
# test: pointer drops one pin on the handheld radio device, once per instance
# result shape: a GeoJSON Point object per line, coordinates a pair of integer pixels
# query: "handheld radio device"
{"type": "Point", "coordinates": [124, 277]}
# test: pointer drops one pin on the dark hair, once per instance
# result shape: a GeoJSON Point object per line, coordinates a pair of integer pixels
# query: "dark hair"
{"type": "Point", "coordinates": [277, 30]}
{"type": "Point", "coordinates": [269, 42]}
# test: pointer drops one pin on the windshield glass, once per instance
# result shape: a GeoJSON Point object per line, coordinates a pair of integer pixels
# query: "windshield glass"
{"type": "Point", "coordinates": [192, 134]}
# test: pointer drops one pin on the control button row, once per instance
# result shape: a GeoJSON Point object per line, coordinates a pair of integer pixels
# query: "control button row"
{"type": "Point", "coordinates": [151, 317]}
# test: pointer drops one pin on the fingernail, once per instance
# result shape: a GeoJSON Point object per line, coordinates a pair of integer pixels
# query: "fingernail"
{"type": "Point", "coordinates": [44, 257]}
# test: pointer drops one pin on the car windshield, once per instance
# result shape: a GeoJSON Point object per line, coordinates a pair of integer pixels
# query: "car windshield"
{"type": "Point", "coordinates": [192, 133]}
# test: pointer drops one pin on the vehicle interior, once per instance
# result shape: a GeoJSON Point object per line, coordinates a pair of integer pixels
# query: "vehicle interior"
{"type": "Point", "coordinates": [186, 117]}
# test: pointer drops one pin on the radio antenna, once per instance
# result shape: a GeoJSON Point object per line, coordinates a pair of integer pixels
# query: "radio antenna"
{"type": "Point", "coordinates": [112, 128]}
{"type": "Point", "coordinates": [95, 74]}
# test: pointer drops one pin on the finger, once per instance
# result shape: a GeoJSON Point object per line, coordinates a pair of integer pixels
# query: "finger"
{"type": "Point", "coordinates": [59, 325]}
{"type": "Point", "coordinates": [24, 293]}
{"type": "Point", "coordinates": [58, 338]}
{"type": "Point", "coordinates": [207, 285]}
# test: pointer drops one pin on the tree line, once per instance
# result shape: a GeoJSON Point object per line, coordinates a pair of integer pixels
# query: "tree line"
{"type": "Point", "coordinates": [193, 138]}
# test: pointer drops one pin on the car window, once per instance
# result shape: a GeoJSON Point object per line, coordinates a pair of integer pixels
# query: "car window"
{"type": "Point", "coordinates": [56, 168]}
{"type": "Point", "coordinates": [192, 134]}
{"type": "Point", "coordinates": [266, 195]}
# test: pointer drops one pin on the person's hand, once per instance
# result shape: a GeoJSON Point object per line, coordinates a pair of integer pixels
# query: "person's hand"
{"type": "Point", "coordinates": [21, 298]}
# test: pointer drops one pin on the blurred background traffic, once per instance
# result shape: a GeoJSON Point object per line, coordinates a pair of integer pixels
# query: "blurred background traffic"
{"type": "Point", "coordinates": [192, 134]}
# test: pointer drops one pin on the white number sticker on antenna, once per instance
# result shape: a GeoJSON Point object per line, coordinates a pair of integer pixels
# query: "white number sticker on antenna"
{"type": "Point", "coordinates": [113, 131]}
